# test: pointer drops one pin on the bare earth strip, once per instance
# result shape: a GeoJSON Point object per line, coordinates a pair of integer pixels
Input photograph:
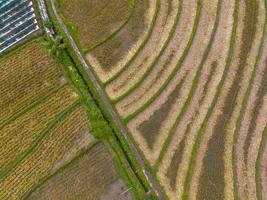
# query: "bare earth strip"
{"type": "Point", "coordinates": [263, 170]}
{"type": "Point", "coordinates": [190, 67]}
{"type": "Point", "coordinates": [105, 75]}
{"type": "Point", "coordinates": [218, 53]}
{"type": "Point", "coordinates": [254, 149]}
{"type": "Point", "coordinates": [217, 169]}
{"type": "Point", "coordinates": [165, 64]}
{"type": "Point", "coordinates": [131, 75]}
{"type": "Point", "coordinates": [243, 132]}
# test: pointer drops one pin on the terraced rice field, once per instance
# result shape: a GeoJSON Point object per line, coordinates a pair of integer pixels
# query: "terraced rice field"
{"type": "Point", "coordinates": [192, 90]}
{"type": "Point", "coordinates": [43, 124]}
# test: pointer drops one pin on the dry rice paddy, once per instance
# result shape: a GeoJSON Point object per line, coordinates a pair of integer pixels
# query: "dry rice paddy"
{"type": "Point", "coordinates": [193, 95]}
{"type": "Point", "coordinates": [43, 126]}
{"type": "Point", "coordinates": [88, 177]}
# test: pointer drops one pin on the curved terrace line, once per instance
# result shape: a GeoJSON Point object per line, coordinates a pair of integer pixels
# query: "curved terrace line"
{"type": "Point", "coordinates": [203, 124]}
{"type": "Point", "coordinates": [150, 30]}
{"type": "Point", "coordinates": [244, 103]}
{"type": "Point", "coordinates": [166, 43]}
{"type": "Point", "coordinates": [176, 68]}
{"type": "Point", "coordinates": [114, 33]}
{"type": "Point", "coordinates": [258, 164]}
{"type": "Point", "coordinates": [193, 87]}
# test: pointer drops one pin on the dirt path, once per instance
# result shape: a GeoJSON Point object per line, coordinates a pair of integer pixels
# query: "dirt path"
{"type": "Point", "coordinates": [107, 103]}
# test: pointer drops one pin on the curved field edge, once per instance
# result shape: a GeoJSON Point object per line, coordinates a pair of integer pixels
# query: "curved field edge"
{"type": "Point", "coordinates": [144, 42]}
{"type": "Point", "coordinates": [244, 103]}
{"type": "Point", "coordinates": [87, 91]}
{"type": "Point", "coordinates": [258, 164]}
{"type": "Point", "coordinates": [102, 41]}
{"type": "Point", "coordinates": [192, 89]}
{"type": "Point", "coordinates": [113, 34]}
{"type": "Point", "coordinates": [218, 89]}
{"type": "Point", "coordinates": [177, 67]}
{"type": "Point", "coordinates": [143, 77]}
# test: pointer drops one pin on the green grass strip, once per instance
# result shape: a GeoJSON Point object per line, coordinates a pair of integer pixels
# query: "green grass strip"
{"type": "Point", "coordinates": [219, 87]}
{"type": "Point", "coordinates": [113, 34]}
{"type": "Point", "coordinates": [243, 108]}
{"type": "Point", "coordinates": [193, 87]}
{"type": "Point", "coordinates": [258, 164]}
{"type": "Point", "coordinates": [177, 67]}
{"type": "Point", "coordinates": [35, 102]}
{"type": "Point", "coordinates": [150, 30]}
{"type": "Point", "coordinates": [10, 166]}
{"type": "Point", "coordinates": [150, 68]}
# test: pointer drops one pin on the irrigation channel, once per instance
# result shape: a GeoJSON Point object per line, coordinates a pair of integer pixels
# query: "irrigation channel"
{"type": "Point", "coordinates": [103, 97]}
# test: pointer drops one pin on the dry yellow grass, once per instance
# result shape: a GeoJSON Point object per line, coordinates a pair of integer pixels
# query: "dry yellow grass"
{"type": "Point", "coordinates": [26, 74]}
{"type": "Point", "coordinates": [41, 161]}
{"type": "Point", "coordinates": [196, 51]}
{"type": "Point", "coordinates": [165, 64]}
{"type": "Point", "coordinates": [19, 134]}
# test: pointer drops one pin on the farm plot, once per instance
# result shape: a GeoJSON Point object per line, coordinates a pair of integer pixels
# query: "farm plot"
{"type": "Point", "coordinates": [177, 91]}
{"type": "Point", "coordinates": [250, 132]}
{"type": "Point", "coordinates": [45, 155]}
{"type": "Point", "coordinates": [42, 123]}
{"type": "Point", "coordinates": [26, 75]}
{"type": "Point", "coordinates": [27, 127]}
{"type": "Point", "coordinates": [194, 97]}
{"type": "Point", "coordinates": [165, 23]}
{"type": "Point", "coordinates": [91, 176]}
{"type": "Point", "coordinates": [93, 21]}
{"type": "Point", "coordinates": [115, 29]}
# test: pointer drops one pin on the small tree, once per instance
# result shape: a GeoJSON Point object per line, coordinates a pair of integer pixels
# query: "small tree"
{"type": "Point", "coordinates": [57, 45]}
{"type": "Point", "coordinates": [47, 24]}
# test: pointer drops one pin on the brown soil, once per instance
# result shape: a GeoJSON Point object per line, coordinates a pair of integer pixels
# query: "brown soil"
{"type": "Point", "coordinates": [212, 178]}
{"type": "Point", "coordinates": [150, 128]}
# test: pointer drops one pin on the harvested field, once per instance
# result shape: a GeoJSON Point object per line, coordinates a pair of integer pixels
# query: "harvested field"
{"type": "Point", "coordinates": [88, 177]}
{"type": "Point", "coordinates": [168, 16]}
{"type": "Point", "coordinates": [262, 169]}
{"type": "Point", "coordinates": [194, 96]}
{"type": "Point", "coordinates": [166, 65]}
{"type": "Point", "coordinates": [176, 107]}
{"type": "Point", "coordinates": [249, 122]}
